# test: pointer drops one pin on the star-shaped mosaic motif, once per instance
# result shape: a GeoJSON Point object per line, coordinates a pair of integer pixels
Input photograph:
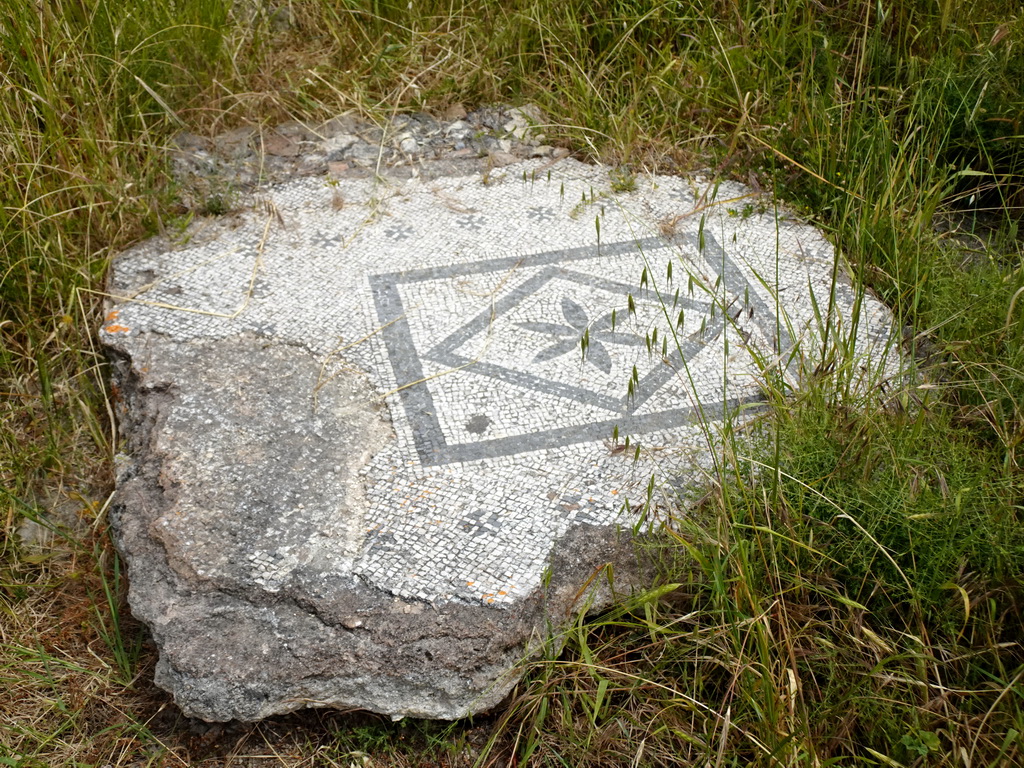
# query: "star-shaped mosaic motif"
{"type": "Point", "coordinates": [579, 326]}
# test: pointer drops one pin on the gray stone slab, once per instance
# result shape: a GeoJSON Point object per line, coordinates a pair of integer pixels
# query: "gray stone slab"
{"type": "Point", "coordinates": [366, 461]}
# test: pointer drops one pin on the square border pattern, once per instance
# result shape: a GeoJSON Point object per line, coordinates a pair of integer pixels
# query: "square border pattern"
{"type": "Point", "coordinates": [417, 402]}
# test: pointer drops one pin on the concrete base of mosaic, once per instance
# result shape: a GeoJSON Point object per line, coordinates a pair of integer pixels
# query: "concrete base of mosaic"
{"type": "Point", "coordinates": [366, 462]}
{"type": "Point", "coordinates": [253, 602]}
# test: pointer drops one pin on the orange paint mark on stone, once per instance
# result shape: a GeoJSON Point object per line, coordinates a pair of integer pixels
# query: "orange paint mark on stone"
{"type": "Point", "coordinates": [112, 315]}
{"type": "Point", "coordinates": [470, 583]}
{"type": "Point", "coordinates": [615, 492]}
{"type": "Point", "coordinates": [502, 592]}
{"type": "Point", "coordinates": [117, 329]}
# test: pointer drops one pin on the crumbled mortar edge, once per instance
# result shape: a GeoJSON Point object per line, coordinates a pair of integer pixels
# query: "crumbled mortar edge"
{"type": "Point", "coordinates": [455, 659]}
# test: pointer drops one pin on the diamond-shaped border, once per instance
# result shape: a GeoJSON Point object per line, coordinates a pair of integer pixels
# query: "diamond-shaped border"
{"type": "Point", "coordinates": [446, 351]}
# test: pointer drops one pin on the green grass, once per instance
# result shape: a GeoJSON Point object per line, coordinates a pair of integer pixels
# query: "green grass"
{"type": "Point", "coordinates": [856, 601]}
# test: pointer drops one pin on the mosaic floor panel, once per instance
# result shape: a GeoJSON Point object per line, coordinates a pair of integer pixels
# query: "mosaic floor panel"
{"type": "Point", "coordinates": [517, 328]}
